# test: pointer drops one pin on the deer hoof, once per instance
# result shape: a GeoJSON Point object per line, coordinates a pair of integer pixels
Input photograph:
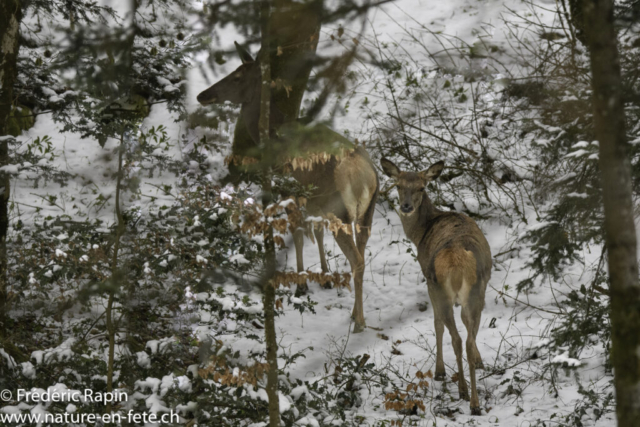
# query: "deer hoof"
{"type": "Point", "coordinates": [357, 328]}
{"type": "Point", "coordinates": [476, 410]}
{"type": "Point", "coordinates": [479, 364]}
{"type": "Point", "coordinates": [302, 289]}
{"type": "Point", "coordinates": [440, 376]}
{"type": "Point", "coordinates": [464, 395]}
{"type": "Point", "coordinates": [326, 285]}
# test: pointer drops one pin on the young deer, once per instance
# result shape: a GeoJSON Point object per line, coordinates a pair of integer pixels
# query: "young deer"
{"type": "Point", "coordinates": [456, 260]}
{"type": "Point", "coordinates": [345, 186]}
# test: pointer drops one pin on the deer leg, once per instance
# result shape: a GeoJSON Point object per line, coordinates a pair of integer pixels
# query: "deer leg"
{"type": "Point", "coordinates": [470, 319]}
{"type": "Point", "coordinates": [476, 304]}
{"type": "Point", "coordinates": [319, 233]}
{"type": "Point", "coordinates": [476, 355]}
{"type": "Point", "coordinates": [350, 250]}
{"type": "Point", "coordinates": [298, 242]}
{"type": "Point", "coordinates": [450, 323]}
{"type": "Point", "coordinates": [436, 301]}
{"type": "Point", "coordinates": [364, 224]}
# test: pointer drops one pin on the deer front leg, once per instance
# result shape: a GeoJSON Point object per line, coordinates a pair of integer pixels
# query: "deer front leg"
{"type": "Point", "coordinates": [348, 247]}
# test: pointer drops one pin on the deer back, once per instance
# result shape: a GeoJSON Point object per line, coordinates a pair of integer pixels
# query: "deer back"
{"type": "Point", "coordinates": [344, 184]}
{"type": "Point", "coordinates": [453, 240]}
{"type": "Point", "coordinates": [344, 176]}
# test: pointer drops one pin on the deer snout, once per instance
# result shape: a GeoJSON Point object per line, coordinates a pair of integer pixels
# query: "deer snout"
{"type": "Point", "coordinates": [206, 97]}
{"type": "Point", "coordinates": [406, 208]}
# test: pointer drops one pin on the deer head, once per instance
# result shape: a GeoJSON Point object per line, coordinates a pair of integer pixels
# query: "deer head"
{"type": "Point", "coordinates": [239, 87]}
{"type": "Point", "coordinates": [411, 185]}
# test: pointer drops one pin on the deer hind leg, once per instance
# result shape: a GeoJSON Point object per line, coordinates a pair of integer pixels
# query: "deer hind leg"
{"type": "Point", "coordinates": [475, 304]}
{"type": "Point", "coordinates": [450, 323]}
{"type": "Point", "coordinates": [471, 318]}
{"type": "Point", "coordinates": [437, 301]}
{"type": "Point", "coordinates": [364, 224]}
{"type": "Point", "coordinates": [476, 352]}
{"type": "Point", "coordinates": [356, 260]}
{"type": "Point", "coordinates": [318, 231]}
{"type": "Point", "coordinates": [298, 242]}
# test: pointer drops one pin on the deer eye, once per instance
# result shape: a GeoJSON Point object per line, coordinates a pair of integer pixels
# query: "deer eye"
{"type": "Point", "coordinates": [420, 190]}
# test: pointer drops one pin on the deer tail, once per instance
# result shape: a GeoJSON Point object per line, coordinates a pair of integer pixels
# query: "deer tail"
{"type": "Point", "coordinates": [455, 266]}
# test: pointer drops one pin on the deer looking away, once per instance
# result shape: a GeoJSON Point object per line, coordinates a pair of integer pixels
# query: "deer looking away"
{"type": "Point", "coordinates": [345, 184]}
{"type": "Point", "coordinates": [456, 260]}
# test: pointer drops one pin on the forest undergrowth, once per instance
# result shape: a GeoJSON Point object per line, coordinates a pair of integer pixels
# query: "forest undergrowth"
{"type": "Point", "coordinates": [160, 296]}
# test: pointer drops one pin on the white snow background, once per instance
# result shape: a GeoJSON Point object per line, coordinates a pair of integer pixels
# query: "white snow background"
{"type": "Point", "coordinates": [394, 286]}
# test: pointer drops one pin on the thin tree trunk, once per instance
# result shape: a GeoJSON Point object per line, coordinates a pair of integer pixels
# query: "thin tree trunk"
{"type": "Point", "coordinates": [120, 227]}
{"type": "Point", "coordinates": [295, 29]}
{"type": "Point", "coordinates": [117, 279]}
{"type": "Point", "coordinates": [10, 18]}
{"type": "Point", "coordinates": [267, 196]}
{"type": "Point", "coordinates": [577, 18]}
{"type": "Point", "coordinates": [620, 236]}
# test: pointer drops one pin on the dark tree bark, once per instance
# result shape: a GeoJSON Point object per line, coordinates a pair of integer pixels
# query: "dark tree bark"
{"type": "Point", "coordinates": [295, 28]}
{"type": "Point", "coordinates": [269, 291]}
{"type": "Point", "coordinates": [620, 236]}
{"type": "Point", "coordinates": [10, 18]}
{"type": "Point", "coordinates": [118, 279]}
{"type": "Point", "coordinates": [577, 19]}
{"type": "Point", "coordinates": [293, 39]}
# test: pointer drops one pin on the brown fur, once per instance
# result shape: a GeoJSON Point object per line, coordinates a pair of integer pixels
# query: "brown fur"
{"type": "Point", "coordinates": [346, 185]}
{"type": "Point", "coordinates": [348, 189]}
{"type": "Point", "coordinates": [456, 265]}
{"type": "Point", "coordinates": [456, 260]}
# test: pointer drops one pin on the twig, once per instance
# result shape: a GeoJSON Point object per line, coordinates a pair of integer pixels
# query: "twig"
{"type": "Point", "coordinates": [527, 304]}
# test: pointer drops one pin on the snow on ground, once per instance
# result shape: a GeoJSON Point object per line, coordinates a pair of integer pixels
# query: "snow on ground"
{"type": "Point", "coordinates": [394, 287]}
{"type": "Point", "coordinates": [394, 290]}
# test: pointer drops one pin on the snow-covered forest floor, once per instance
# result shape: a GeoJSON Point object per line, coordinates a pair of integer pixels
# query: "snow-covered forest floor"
{"type": "Point", "coordinates": [525, 382]}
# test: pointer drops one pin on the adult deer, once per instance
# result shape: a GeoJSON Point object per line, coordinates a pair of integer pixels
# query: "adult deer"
{"type": "Point", "coordinates": [456, 260]}
{"type": "Point", "coordinates": [345, 185]}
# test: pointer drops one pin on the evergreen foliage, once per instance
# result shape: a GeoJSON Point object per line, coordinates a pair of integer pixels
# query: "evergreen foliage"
{"type": "Point", "coordinates": [183, 289]}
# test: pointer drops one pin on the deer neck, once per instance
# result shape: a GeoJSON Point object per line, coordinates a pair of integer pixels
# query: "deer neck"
{"type": "Point", "coordinates": [417, 224]}
{"type": "Point", "coordinates": [250, 112]}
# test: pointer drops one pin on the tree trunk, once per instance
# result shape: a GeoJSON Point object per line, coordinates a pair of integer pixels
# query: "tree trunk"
{"type": "Point", "coordinates": [577, 19]}
{"type": "Point", "coordinates": [294, 31]}
{"type": "Point", "coordinates": [620, 236]}
{"type": "Point", "coordinates": [295, 28]}
{"type": "Point", "coordinates": [10, 18]}
{"type": "Point", "coordinates": [112, 328]}
{"type": "Point", "coordinates": [118, 279]}
{"type": "Point", "coordinates": [270, 249]}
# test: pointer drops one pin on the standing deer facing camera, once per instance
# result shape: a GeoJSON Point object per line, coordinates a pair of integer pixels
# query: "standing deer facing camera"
{"type": "Point", "coordinates": [456, 260]}
{"type": "Point", "coordinates": [345, 186]}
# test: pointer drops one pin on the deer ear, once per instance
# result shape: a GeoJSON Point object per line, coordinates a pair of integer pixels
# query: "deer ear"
{"type": "Point", "coordinates": [389, 168]}
{"type": "Point", "coordinates": [433, 172]}
{"type": "Point", "coordinates": [244, 55]}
